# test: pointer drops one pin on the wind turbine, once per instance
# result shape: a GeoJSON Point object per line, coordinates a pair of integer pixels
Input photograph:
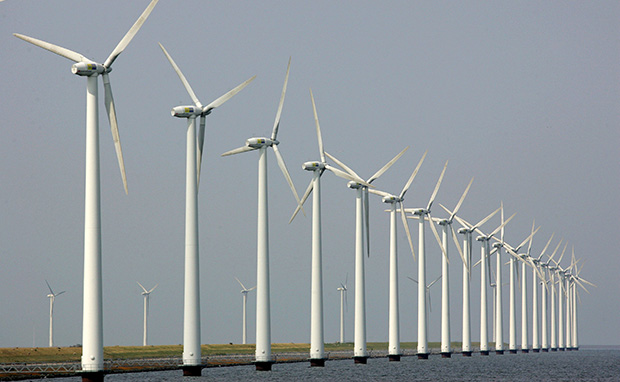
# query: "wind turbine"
{"type": "Point", "coordinates": [244, 291]}
{"type": "Point", "coordinates": [467, 231]}
{"type": "Point", "coordinates": [192, 359]}
{"type": "Point", "coordinates": [446, 349]}
{"type": "Point", "coordinates": [263, 305]}
{"type": "Point", "coordinates": [317, 344]}
{"type": "Point", "coordinates": [52, 296]}
{"type": "Point", "coordinates": [92, 325]}
{"type": "Point", "coordinates": [147, 296]}
{"type": "Point", "coordinates": [576, 280]}
{"type": "Point", "coordinates": [484, 239]}
{"type": "Point", "coordinates": [394, 351]}
{"type": "Point", "coordinates": [343, 295]}
{"type": "Point", "coordinates": [428, 304]}
{"type": "Point", "coordinates": [544, 317]}
{"type": "Point", "coordinates": [422, 213]}
{"type": "Point", "coordinates": [552, 272]}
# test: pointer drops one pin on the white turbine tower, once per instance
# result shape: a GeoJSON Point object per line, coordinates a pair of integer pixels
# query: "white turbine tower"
{"type": "Point", "coordinates": [343, 298]}
{"type": "Point", "coordinates": [147, 296]}
{"type": "Point", "coordinates": [446, 348]}
{"type": "Point", "coordinates": [394, 351]}
{"type": "Point", "coordinates": [244, 292]}
{"type": "Point", "coordinates": [544, 305]}
{"type": "Point", "coordinates": [575, 280]}
{"type": "Point", "coordinates": [554, 317]}
{"type": "Point", "coordinates": [467, 231]}
{"type": "Point", "coordinates": [263, 305]}
{"type": "Point", "coordinates": [192, 359]}
{"type": "Point", "coordinates": [317, 343]}
{"type": "Point", "coordinates": [92, 325]}
{"type": "Point", "coordinates": [52, 296]}
{"type": "Point", "coordinates": [422, 213]}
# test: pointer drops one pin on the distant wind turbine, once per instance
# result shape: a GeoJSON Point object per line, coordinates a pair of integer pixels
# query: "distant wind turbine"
{"type": "Point", "coordinates": [427, 293]}
{"type": "Point", "coordinates": [192, 359]}
{"type": "Point", "coordinates": [147, 296]}
{"type": "Point", "coordinates": [263, 306]}
{"type": "Point", "coordinates": [92, 322]}
{"type": "Point", "coordinates": [52, 296]}
{"type": "Point", "coordinates": [244, 291]}
{"type": "Point", "coordinates": [343, 298]}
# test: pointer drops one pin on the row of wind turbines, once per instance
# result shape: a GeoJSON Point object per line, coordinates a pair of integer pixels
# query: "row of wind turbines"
{"type": "Point", "coordinates": [92, 336]}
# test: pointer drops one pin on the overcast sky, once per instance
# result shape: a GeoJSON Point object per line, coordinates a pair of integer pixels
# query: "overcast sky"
{"type": "Point", "coordinates": [523, 96]}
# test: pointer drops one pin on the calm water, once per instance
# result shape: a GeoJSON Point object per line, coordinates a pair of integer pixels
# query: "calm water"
{"type": "Point", "coordinates": [582, 365]}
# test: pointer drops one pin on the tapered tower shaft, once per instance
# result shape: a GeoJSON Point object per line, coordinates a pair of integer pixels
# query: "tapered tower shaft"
{"type": "Point", "coordinates": [191, 323]}
{"type": "Point", "coordinates": [394, 324]}
{"type": "Point", "coordinates": [512, 321]}
{"type": "Point", "coordinates": [92, 329]}
{"type": "Point", "coordinates": [466, 330]}
{"type": "Point", "coordinates": [553, 321]}
{"type": "Point", "coordinates": [263, 309]}
{"type": "Point", "coordinates": [445, 294]}
{"type": "Point", "coordinates": [51, 339]}
{"type": "Point", "coordinates": [524, 313]}
{"type": "Point", "coordinates": [422, 309]}
{"type": "Point", "coordinates": [484, 341]}
{"type": "Point", "coordinates": [317, 345]}
{"type": "Point", "coordinates": [544, 318]}
{"type": "Point", "coordinates": [535, 335]}
{"type": "Point", "coordinates": [499, 312]}
{"type": "Point", "coordinates": [360, 282]}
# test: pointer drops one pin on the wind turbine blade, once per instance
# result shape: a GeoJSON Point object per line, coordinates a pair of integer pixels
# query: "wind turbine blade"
{"type": "Point", "coordinates": [415, 172]}
{"type": "Point", "coordinates": [458, 205]}
{"type": "Point", "coordinates": [378, 192]}
{"type": "Point", "coordinates": [387, 165]}
{"type": "Point", "coordinates": [287, 176]}
{"type": "Point", "coordinates": [251, 289]}
{"type": "Point", "coordinates": [458, 246]}
{"type": "Point", "coordinates": [529, 238]}
{"type": "Point", "coordinates": [152, 289]}
{"type": "Point", "coordinates": [431, 223]}
{"type": "Point", "coordinates": [434, 281]}
{"type": "Point", "coordinates": [343, 166]}
{"type": "Point", "coordinates": [130, 35]}
{"type": "Point", "coordinates": [109, 105]}
{"type": "Point", "coordinates": [240, 283]}
{"type": "Point", "coordinates": [66, 53]}
{"type": "Point", "coordinates": [529, 246]}
{"type": "Point", "coordinates": [412, 279]}
{"type": "Point", "coordinates": [59, 293]}
{"type": "Point", "coordinates": [303, 200]}
{"type": "Point", "coordinates": [276, 124]}
{"type": "Point", "coordinates": [502, 219]}
{"type": "Point", "coordinates": [555, 250]}
{"type": "Point", "coordinates": [186, 84]}
{"type": "Point", "coordinates": [49, 287]}
{"type": "Point", "coordinates": [318, 129]}
{"type": "Point", "coordinates": [502, 225]}
{"type": "Point", "coordinates": [143, 288]}
{"type": "Point", "coordinates": [545, 249]}
{"type": "Point", "coordinates": [481, 222]}
{"type": "Point", "coordinates": [218, 102]}
{"type": "Point", "coordinates": [345, 175]}
{"type": "Point", "coordinates": [200, 144]}
{"type": "Point", "coordinates": [238, 150]}
{"type": "Point", "coordinates": [562, 255]}
{"type": "Point", "coordinates": [580, 279]}
{"type": "Point", "coordinates": [404, 219]}
{"type": "Point", "coordinates": [432, 199]}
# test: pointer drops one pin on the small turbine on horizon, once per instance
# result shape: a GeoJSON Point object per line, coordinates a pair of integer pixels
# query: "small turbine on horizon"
{"type": "Point", "coordinates": [52, 296]}
{"type": "Point", "coordinates": [147, 296]}
{"type": "Point", "coordinates": [244, 291]}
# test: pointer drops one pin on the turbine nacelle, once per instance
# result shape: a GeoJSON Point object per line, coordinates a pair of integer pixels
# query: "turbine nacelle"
{"type": "Point", "coordinates": [463, 231]}
{"type": "Point", "coordinates": [483, 238]}
{"type": "Point", "coordinates": [390, 199]}
{"type": "Point", "coordinates": [257, 143]}
{"type": "Point", "coordinates": [88, 69]}
{"type": "Point", "coordinates": [313, 166]}
{"type": "Point", "coordinates": [497, 245]}
{"type": "Point", "coordinates": [186, 111]}
{"type": "Point", "coordinates": [354, 185]}
{"type": "Point", "coordinates": [419, 211]}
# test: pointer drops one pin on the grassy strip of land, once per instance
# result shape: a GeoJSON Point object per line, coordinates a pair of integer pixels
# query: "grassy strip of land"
{"type": "Point", "coordinates": [69, 354]}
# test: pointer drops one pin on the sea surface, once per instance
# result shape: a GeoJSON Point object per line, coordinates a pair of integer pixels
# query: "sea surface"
{"type": "Point", "coordinates": [583, 365]}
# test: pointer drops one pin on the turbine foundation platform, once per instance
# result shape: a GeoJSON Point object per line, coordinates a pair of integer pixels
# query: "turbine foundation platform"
{"type": "Point", "coordinates": [484, 352]}
{"type": "Point", "coordinates": [545, 350]}
{"type": "Point", "coordinates": [394, 357]}
{"type": "Point", "coordinates": [525, 350]}
{"type": "Point", "coordinates": [422, 355]}
{"type": "Point", "coordinates": [500, 352]}
{"type": "Point", "coordinates": [554, 349]}
{"type": "Point", "coordinates": [263, 365]}
{"type": "Point", "coordinates": [446, 355]}
{"type": "Point", "coordinates": [466, 354]}
{"type": "Point", "coordinates": [320, 362]}
{"type": "Point", "coordinates": [513, 351]}
{"type": "Point", "coordinates": [92, 376]}
{"type": "Point", "coordinates": [192, 370]}
{"type": "Point", "coordinates": [360, 359]}
{"type": "Point", "coordinates": [536, 350]}
{"type": "Point", "coordinates": [561, 349]}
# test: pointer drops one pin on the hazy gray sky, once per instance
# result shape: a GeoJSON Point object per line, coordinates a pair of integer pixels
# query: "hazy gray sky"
{"type": "Point", "coordinates": [523, 96]}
